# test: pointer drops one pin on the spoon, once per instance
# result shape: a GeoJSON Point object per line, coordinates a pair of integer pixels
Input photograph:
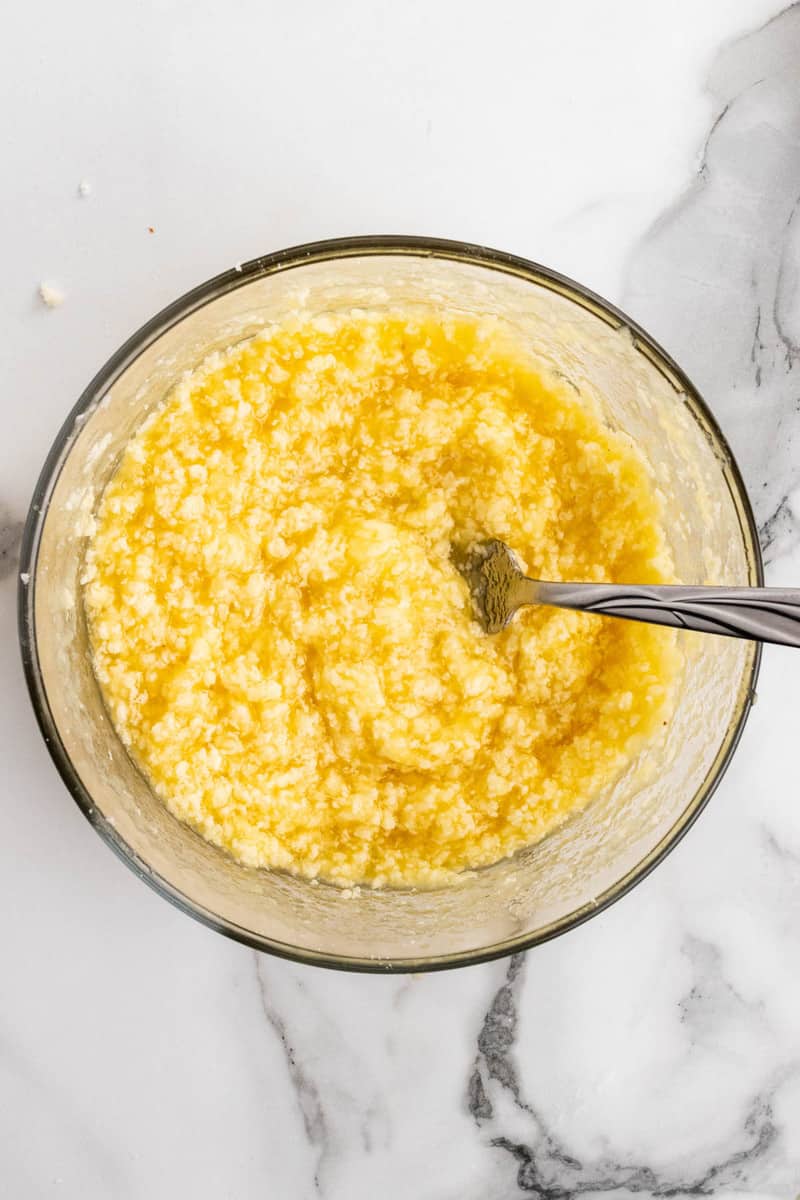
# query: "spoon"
{"type": "Point", "coordinates": [499, 588]}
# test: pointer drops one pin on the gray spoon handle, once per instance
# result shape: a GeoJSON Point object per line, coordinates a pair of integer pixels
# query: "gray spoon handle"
{"type": "Point", "coordinates": [765, 614]}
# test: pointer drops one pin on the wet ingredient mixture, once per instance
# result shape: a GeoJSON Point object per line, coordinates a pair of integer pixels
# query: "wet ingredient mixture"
{"type": "Point", "coordinates": [280, 635]}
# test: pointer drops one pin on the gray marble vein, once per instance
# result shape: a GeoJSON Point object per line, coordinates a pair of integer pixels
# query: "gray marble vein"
{"type": "Point", "coordinates": [306, 1092]}
{"type": "Point", "coordinates": [717, 279]}
{"type": "Point", "coordinates": [548, 1168]}
{"type": "Point", "coordinates": [782, 852]}
{"type": "Point", "coordinates": [10, 538]}
{"type": "Point", "coordinates": [711, 993]}
{"type": "Point", "coordinates": [495, 1045]}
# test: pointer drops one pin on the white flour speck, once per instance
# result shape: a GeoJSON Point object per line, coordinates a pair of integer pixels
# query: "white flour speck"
{"type": "Point", "coordinates": [50, 295]}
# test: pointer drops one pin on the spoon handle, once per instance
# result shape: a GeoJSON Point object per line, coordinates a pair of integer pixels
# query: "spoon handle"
{"type": "Point", "coordinates": [763, 614]}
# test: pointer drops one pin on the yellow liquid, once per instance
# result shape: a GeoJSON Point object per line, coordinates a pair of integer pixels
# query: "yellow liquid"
{"type": "Point", "coordinates": [283, 643]}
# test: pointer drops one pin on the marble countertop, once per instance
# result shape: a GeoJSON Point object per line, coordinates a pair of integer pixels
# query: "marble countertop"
{"type": "Point", "coordinates": [651, 151]}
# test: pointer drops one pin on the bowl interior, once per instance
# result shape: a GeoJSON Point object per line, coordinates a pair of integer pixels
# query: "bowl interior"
{"type": "Point", "coordinates": [598, 853]}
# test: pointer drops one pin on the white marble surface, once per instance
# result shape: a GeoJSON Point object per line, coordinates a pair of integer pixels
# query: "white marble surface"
{"type": "Point", "coordinates": [652, 151]}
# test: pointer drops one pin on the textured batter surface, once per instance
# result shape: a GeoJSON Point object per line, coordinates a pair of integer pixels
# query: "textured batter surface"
{"type": "Point", "coordinates": [280, 635]}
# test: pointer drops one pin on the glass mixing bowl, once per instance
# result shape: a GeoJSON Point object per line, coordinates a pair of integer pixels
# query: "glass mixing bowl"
{"type": "Point", "coordinates": [592, 859]}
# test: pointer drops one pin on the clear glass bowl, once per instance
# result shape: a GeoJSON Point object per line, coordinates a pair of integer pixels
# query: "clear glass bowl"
{"type": "Point", "coordinates": [597, 855]}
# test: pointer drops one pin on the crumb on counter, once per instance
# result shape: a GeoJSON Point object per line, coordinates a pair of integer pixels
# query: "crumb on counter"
{"type": "Point", "coordinates": [51, 295]}
{"type": "Point", "coordinates": [281, 637]}
{"type": "Point", "coordinates": [84, 189]}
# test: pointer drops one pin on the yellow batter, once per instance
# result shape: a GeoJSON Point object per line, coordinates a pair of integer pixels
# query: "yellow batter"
{"type": "Point", "coordinates": [283, 642]}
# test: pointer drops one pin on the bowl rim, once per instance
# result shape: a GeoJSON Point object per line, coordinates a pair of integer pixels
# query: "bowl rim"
{"type": "Point", "coordinates": [331, 250]}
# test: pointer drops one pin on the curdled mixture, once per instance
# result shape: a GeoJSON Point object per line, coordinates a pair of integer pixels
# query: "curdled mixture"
{"type": "Point", "coordinates": [282, 640]}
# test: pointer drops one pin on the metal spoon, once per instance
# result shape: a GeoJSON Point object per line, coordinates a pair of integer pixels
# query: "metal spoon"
{"type": "Point", "coordinates": [498, 588]}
